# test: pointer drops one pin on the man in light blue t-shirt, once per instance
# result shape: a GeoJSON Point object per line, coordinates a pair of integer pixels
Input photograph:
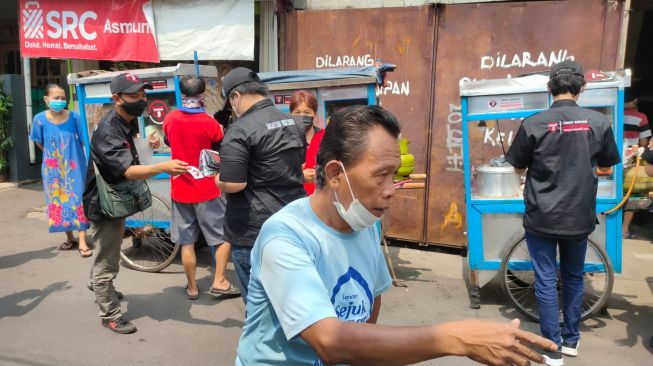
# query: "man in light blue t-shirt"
{"type": "Point", "coordinates": [318, 271]}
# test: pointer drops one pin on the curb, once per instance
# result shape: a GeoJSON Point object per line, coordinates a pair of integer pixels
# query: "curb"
{"type": "Point", "coordinates": [9, 185]}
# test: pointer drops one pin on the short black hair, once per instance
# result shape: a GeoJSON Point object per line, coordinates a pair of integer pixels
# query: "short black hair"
{"type": "Point", "coordinates": [566, 83]}
{"type": "Point", "coordinates": [251, 88]}
{"type": "Point", "coordinates": [191, 85]}
{"type": "Point", "coordinates": [51, 86]}
{"type": "Point", "coordinates": [345, 137]}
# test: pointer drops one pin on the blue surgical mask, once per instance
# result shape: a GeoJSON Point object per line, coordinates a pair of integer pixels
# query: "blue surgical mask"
{"type": "Point", "coordinates": [57, 105]}
{"type": "Point", "coordinates": [357, 216]}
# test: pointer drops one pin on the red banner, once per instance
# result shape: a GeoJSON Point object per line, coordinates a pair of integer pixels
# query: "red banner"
{"type": "Point", "coordinates": [115, 30]}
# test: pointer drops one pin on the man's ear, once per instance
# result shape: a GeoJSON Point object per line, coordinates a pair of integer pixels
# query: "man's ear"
{"type": "Point", "coordinates": [115, 98]}
{"type": "Point", "coordinates": [333, 171]}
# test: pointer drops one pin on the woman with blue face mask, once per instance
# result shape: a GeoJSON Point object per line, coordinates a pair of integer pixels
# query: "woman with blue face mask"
{"type": "Point", "coordinates": [58, 133]}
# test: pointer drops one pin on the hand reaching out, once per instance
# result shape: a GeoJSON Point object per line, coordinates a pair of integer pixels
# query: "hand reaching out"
{"type": "Point", "coordinates": [154, 140]}
{"type": "Point", "coordinates": [495, 343]}
{"type": "Point", "coordinates": [175, 167]}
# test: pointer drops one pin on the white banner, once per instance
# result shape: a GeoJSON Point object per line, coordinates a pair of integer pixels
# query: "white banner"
{"type": "Point", "coordinates": [217, 30]}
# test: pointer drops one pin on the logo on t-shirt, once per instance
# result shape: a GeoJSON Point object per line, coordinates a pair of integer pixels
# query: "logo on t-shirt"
{"type": "Point", "coordinates": [568, 126]}
{"type": "Point", "coordinates": [278, 124]}
{"type": "Point", "coordinates": [553, 127]}
{"type": "Point", "coordinates": [352, 298]}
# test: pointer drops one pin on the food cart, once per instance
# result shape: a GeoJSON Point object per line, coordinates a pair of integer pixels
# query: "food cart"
{"type": "Point", "coordinates": [147, 245]}
{"type": "Point", "coordinates": [494, 193]}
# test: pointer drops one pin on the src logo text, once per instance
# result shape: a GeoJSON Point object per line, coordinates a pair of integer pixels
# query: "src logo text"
{"type": "Point", "coordinates": [65, 24]}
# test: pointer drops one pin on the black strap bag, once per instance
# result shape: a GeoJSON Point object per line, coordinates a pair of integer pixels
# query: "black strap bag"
{"type": "Point", "coordinates": [122, 199]}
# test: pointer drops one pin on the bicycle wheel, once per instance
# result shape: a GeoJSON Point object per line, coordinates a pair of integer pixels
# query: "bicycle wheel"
{"type": "Point", "coordinates": [518, 280]}
{"type": "Point", "coordinates": [146, 245]}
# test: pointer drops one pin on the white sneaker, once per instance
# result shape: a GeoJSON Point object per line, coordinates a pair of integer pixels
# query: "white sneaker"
{"type": "Point", "coordinates": [570, 349]}
{"type": "Point", "coordinates": [553, 358]}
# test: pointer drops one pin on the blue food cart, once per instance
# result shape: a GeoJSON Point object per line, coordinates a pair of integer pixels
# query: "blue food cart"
{"type": "Point", "coordinates": [147, 245]}
{"type": "Point", "coordinates": [494, 192]}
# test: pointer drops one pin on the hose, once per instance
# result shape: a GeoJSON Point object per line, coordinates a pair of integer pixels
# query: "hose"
{"type": "Point", "coordinates": [630, 189]}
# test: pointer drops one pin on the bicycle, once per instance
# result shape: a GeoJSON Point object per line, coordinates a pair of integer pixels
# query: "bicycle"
{"type": "Point", "coordinates": [518, 280]}
{"type": "Point", "coordinates": [146, 244]}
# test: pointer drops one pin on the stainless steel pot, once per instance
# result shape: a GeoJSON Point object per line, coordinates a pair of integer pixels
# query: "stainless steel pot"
{"type": "Point", "coordinates": [497, 181]}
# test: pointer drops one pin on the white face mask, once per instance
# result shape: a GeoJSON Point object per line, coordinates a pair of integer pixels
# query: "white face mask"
{"type": "Point", "coordinates": [357, 216]}
{"type": "Point", "coordinates": [235, 108]}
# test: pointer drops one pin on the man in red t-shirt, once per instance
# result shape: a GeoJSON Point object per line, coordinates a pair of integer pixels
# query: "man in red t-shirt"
{"type": "Point", "coordinates": [196, 202]}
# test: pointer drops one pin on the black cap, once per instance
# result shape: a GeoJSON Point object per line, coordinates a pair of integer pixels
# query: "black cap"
{"type": "Point", "coordinates": [567, 67]}
{"type": "Point", "coordinates": [235, 77]}
{"type": "Point", "coordinates": [127, 83]}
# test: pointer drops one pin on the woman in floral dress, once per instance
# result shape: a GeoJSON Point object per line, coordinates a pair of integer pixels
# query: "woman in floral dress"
{"type": "Point", "coordinates": [58, 133]}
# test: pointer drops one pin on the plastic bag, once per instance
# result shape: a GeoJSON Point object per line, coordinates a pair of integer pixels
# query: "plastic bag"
{"type": "Point", "coordinates": [209, 162]}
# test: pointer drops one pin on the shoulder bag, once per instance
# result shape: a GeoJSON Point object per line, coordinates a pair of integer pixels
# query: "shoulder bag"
{"type": "Point", "coordinates": [122, 199]}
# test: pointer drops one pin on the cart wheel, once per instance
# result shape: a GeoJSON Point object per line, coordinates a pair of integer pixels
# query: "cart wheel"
{"type": "Point", "coordinates": [519, 280]}
{"type": "Point", "coordinates": [146, 245]}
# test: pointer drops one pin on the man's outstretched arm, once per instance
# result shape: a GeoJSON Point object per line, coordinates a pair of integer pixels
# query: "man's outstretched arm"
{"type": "Point", "coordinates": [487, 342]}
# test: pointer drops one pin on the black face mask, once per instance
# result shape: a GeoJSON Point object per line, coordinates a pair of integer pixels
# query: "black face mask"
{"type": "Point", "coordinates": [308, 122]}
{"type": "Point", "coordinates": [134, 108]}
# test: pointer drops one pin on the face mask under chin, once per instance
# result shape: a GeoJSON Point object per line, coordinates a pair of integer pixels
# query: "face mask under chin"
{"type": "Point", "coordinates": [357, 216]}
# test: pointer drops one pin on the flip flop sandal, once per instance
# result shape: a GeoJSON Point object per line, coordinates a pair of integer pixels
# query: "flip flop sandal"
{"type": "Point", "coordinates": [231, 291]}
{"type": "Point", "coordinates": [629, 236]}
{"type": "Point", "coordinates": [193, 297]}
{"type": "Point", "coordinates": [67, 245]}
{"type": "Point", "coordinates": [85, 253]}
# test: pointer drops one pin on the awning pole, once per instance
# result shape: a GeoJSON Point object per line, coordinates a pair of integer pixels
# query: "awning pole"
{"type": "Point", "coordinates": [197, 65]}
{"type": "Point", "coordinates": [27, 80]}
{"type": "Point", "coordinates": [69, 69]}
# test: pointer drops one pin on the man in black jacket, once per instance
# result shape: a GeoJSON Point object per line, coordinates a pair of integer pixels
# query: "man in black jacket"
{"type": "Point", "coordinates": [261, 161]}
{"type": "Point", "coordinates": [562, 148]}
{"type": "Point", "coordinates": [114, 154]}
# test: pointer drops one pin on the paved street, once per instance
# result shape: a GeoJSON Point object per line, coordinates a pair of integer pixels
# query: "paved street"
{"type": "Point", "coordinates": [48, 317]}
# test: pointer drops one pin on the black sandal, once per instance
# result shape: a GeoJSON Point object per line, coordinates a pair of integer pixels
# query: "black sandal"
{"type": "Point", "coordinates": [85, 253]}
{"type": "Point", "coordinates": [67, 245]}
{"type": "Point", "coordinates": [193, 297]}
{"type": "Point", "coordinates": [230, 291]}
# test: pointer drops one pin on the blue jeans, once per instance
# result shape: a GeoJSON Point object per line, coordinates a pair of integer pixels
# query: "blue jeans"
{"type": "Point", "coordinates": [241, 257]}
{"type": "Point", "coordinates": [572, 260]}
